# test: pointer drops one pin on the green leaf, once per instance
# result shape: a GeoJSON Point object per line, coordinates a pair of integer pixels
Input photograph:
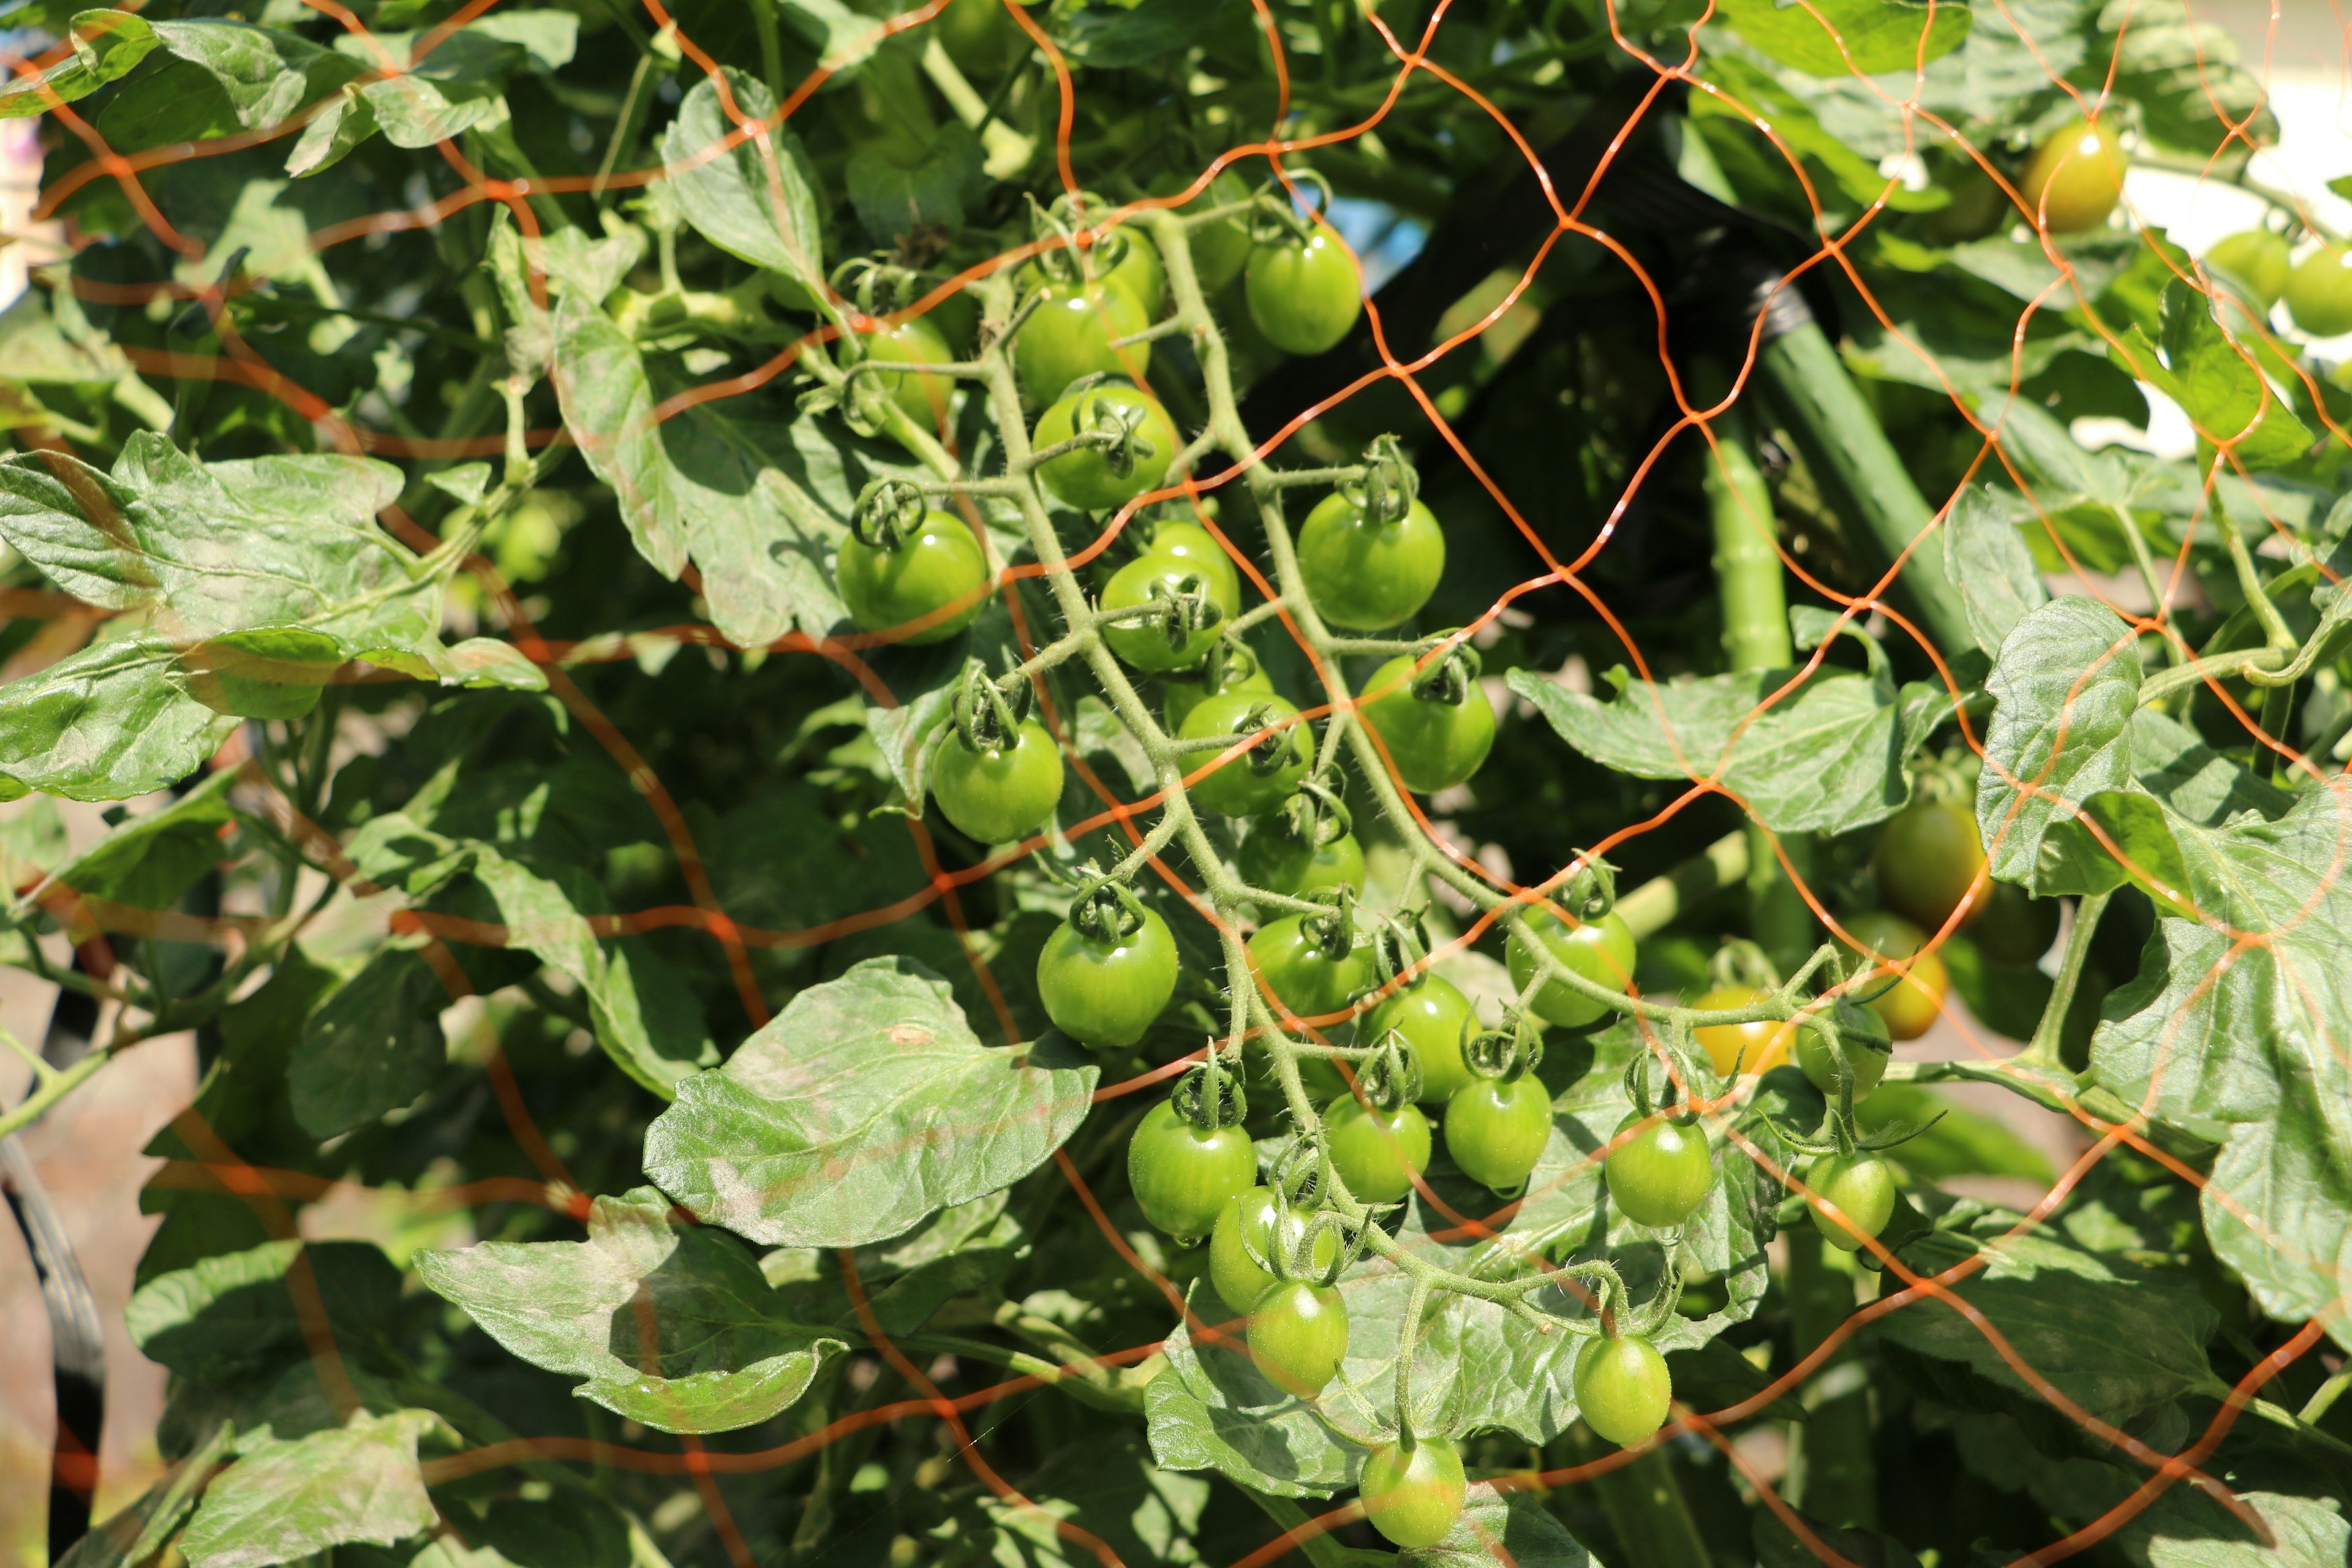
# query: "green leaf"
{"type": "Point", "coordinates": [1209, 1410]}
{"type": "Point", "coordinates": [1961, 1142]}
{"type": "Point", "coordinates": [1107, 1483]}
{"type": "Point", "coordinates": [1840, 37]}
{"type": "Point", "coordinates": [893, 201]}
{"type": "Point", "coordinates": [105, 46]}
{"type": "Point", "coordinates": [109, 722]}
{"type": "Point", "coordinates": [265, 74]}
{"type": "Point", "coordinates": [1987, 559]}
{"type": "Point", "coordinates": [1499, 1526]}
{"type": "Point", "coordinates": [1826, 757]}
{"type": "Point", "coordinates": [372, 1046]}
{"type": "Point", "coordinates": [286, 1500]}
{"type": "Point", "coordinates": [2216, 384]}
{"type": "Point", "coordinates": [2065, 683]}
{"type": "Point", "coordinates": [754, 199]}
{"type": "Point", "coordinates": [149, 861]}
{"type": "Point", "coordinates": [726, 1356]}
{"type": "Point", "coordinates": [2116, 1339]}
{"type": "Point", "coordinates": [863, 1106]}
{"type": "Point", "coordinates": [235, 1315]}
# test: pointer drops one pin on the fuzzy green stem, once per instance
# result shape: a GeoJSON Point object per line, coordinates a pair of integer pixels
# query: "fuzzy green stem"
{"type": "Point", "coordinates": [2042, 1052]}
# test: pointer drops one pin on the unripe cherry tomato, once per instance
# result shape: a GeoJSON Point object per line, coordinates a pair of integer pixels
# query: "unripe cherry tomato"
{"type": "Point", "coordinates": [1912, 1004]}
{"type": "Point", "coordinates": [1862, 1189]}
{"type": "Point", "coordinates": [1750, 1048]}
{"type": "Point", "coordinates": [1433, 743]}
{"type": "Point", "coordinates": [1602, 951]}
{"type": "Point", "coordinates": [2075, 178]}
{"type": "Point", "coordinates": [1436, 1020]}
{"type": "Point", "coordinates": [1197, 548]}
{"type": "Point", "coordinates": [1274, 859]}
{"type": "Point", "coordinates": [2258, 261]}
{"type": "Point", "coordinates": [1413, 1499]}
{"type": "Point", "coordinates": [920, 341]}
{"type": "Point", "coordinates": [1624, 1389]}
{"type": "Point", "coordinates": [1000, 795]}
{"type": "Point", "coordinates": [1302, 976]}
{"type": "Point", "coordinates": [1090, 478]}
{"type": "Point", "coordinates": [1182, 1177]}
{"type": "Point", "coordinates": [981, 37]}
{"type": "Point", "coordinates": [1661, 1175]}
{"type": "Point", "coordinates": [1977, 206]}
{"type": "Point", "coordinates": [1298, 1336]}
{"type": "Point", "coordinates": [2319, 292]}
{"type": "Point", "coordinates": [1184, 690]}
{"type": "Point", "coordinates": [1926, 858]}
{"type": "Point", "coordinates": [1220, 249]}
{"type": "Point", "coordinates": [1107, 993]}
{"type": "Point", "coordinates": [1070, 334]}
{"type": "Point", "coordinates": [1363, 571]}
{"type": "Point", "coordinates": [1866, 1065]}
{"type": "Point", "coordinates": [1237, 789]}
{"type": "Point", "coordinates": [939, 565]}
{"type": "Point", "coordinates": [1239, 1278]}
{"type": "Point", "coordinates": [1376, 1152]}
{"type": "Point", "coordinates": [1136, 268]}
{"type": "Point", "coordinates": [1304, 295]}
{"type": "Point", "coordinates": [1496, 1131]}
{"type": "Point", "coordinates": [1145, 645]}
{"type": "Point", "coordinates": [2016, 928]}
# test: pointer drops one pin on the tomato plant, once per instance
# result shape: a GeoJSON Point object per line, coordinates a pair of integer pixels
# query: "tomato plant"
{"type": "Point", "coordinates": [1431, 560]}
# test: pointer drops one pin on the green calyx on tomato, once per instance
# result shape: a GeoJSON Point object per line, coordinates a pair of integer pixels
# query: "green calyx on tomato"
{"type": "Point", "coordinates": [1376, 1151]}
{"type": "Point", "coordinates": [1662, 1173]}
{"type": "Point", "coordinates": [1303, 293]}
{"type": "Point", "coordinates": [2319, 292]}
{"type": "Point", "coordinates": [1134, 441]}
{"type": "Point", "coordinates": [2074, 177]}
{"type": "Point", "coordinates": [1313, 966]}
{"type": "Point", "coordinates": [1926, 859]}
{"type": "Point", "coordinates": [1304, 845]}
{"type": "Point", "coordinates": [1910, 1004]}
{"type": "Point", "coordinates": [1191, 1156]}
{"type": "Point", "coordinates": [1436, 724]}
{"type": "Point", "coordinates": [1187, 542]}
{"type": "Point", "coordinates": [1436, 1021]}
{"type": "Point", "coordinates": [1496, 1127]}
{"type": "Point", "coordinates": [1266, 775]}
{"type": "Point", "coordinates": [1187, 610]}
{"type": "Point", "coordinates": [1108, 972]}
{"type": "Point", "coordinates": [1371, 553]}
{"type": "Point", "coordinates": [996, 794]}
{"type": "Point", "coordinates": [904, 566]}
{"type": "Point", "coordinates": [1230, 666]}
{"type": "Point", "coordinates": [1624, 1389]}
{"type": "Point", "coordinates": [2257, 261]}
{"type": "Point", "coordinates": [1412, 1498]}
{"type": "Point", "coordinates": [1864, 1047]}
{"type": "Point", "coordinates": [1069, 334]}
{"type": "Point", "coordinates": [1298, 1336]}
{"type": "Point", "coordinates": [1860, 1186]}
{"type": "Point", "coordinates": [1600, 949]}
{"type": "Point", "coordinates": [1254, 1237]}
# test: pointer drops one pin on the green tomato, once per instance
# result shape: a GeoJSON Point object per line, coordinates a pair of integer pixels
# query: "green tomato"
{"type": "Point", "coordinates": [1225, 669]}
{"type": "Point", "coordinates": [1496, 1131]}
{"type": "Point", "coordinates": [1376, 1152]}
{"type": "Point", "coordinates": [1094, 478]}
{"type": "Point", "coordinates": [1624, 1389]}
{"type": "Point", "coordinates": [1182, 1176]}
{"type": "Point", "coordinates": [1070, 334]}
{"type": "Point", "coordinates": [1000, 795]}
{"type": "Point", "coordinates": [1220, 249]}
{"type": "Point", "coordinates": [1107, 993]}
{"type": "Point", "coordinates": [1196, 547]}
{"type": "Point", "coordinates": [1304, 978]}
{"type": "Point", "coordinates": [1661, 1175]}
{"type": "Point", "coordinates": [2257, 260]}
{"type": "Point", "coordinates": [1271, 859]}
{"type": "Point", "coordinates": [1413, 1499]}
{"type": "Point", "coordinates": [1304, 295]}
{"type": "Point", "coordinates": [1926, 859]}
{"type": "Point", "coordinates": [1912, 1004]}
{"type": "Point", "coordinates": [1248, 1222]}
{"type": "Point", "coordinates": [1236, 788]}
{"type": "Point", "coordinates": [1866, 1065]}
{"type": "Point", "coordinates": [1436, 1021]}
{"type": "Point", "coordinates": [1364, 573]}
{"type": "Point", "coordinates": [1298, 1336]}
{"type": "Point", "coordinates": [939, 565]}
{"type": "Point", "coordinates": [1602, 951]}
{"type": "Point", "coordinates": [924, 397]}
{"type": "Point", "coordinates": [1978, 206]}
{"type": "Point", "coordinates": [2319, 292]}
{"type": "Point", "coordinates": [1136, 268]}
{"type": "Point", "coordinates": [1433, 744]}
{"type": "Point", "coordinates": [2075, 178]}
{"type": "Point", "coordinates": [1860, 1188]}
{"type": "Point", "coordinates": [1145, 645]}
{"type": "Point", "coordinates": [2016, 928]}
{"type": "Point", "coordinates": [981, 37]}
